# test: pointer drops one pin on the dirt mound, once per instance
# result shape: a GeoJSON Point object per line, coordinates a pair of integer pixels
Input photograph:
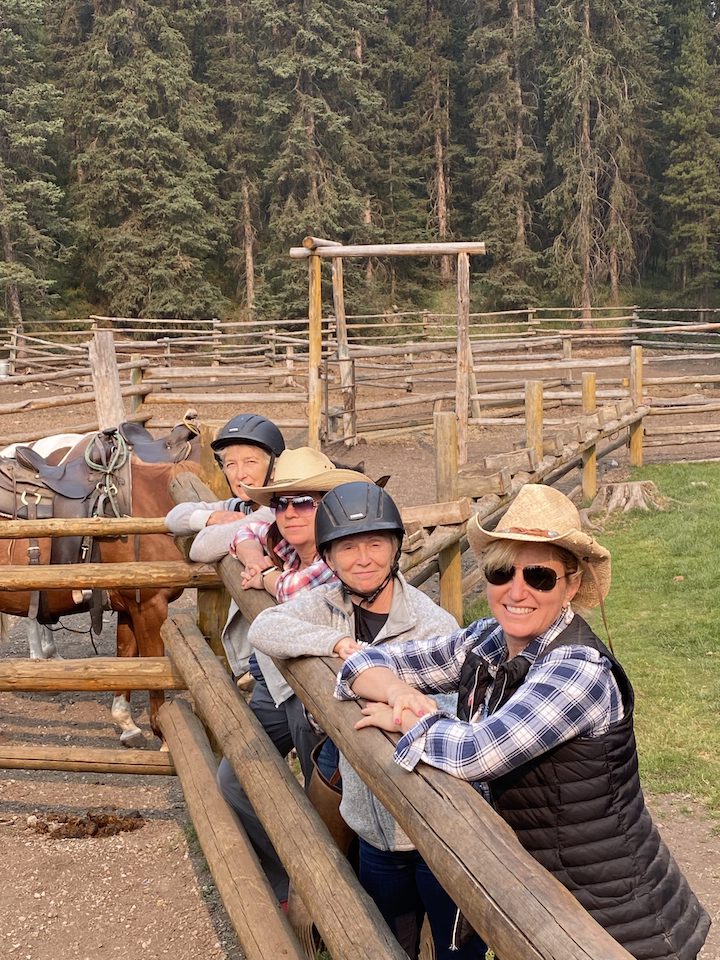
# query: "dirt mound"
{"type": "Point", "coordinates": [62, 826]}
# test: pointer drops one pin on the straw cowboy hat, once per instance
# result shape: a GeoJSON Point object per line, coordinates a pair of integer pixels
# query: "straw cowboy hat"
{"type": "Point", "coordinates": [541, 514]}
{"type": "Point", "coordinates": [303, 471]}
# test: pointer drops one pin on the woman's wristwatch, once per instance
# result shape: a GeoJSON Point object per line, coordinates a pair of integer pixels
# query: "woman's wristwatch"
{"type": "Point", "coordinates": [266, 571]}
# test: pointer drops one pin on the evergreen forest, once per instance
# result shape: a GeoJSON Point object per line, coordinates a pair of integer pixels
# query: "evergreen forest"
{"type": "Point", "coordinates": [159, 157]}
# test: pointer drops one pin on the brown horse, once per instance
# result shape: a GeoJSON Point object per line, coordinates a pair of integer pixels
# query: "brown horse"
{"type": "Point", "coordinates": [140, 612]}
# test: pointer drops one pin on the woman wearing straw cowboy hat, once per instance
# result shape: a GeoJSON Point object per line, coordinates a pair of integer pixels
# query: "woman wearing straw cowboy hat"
{"type": "Point", "coordinates": [281, 557]}
{"type": "Point", "coordinates": [545, 728]}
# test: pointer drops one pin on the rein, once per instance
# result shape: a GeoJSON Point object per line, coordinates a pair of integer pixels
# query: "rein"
{"type": "Point", "coordinates": [106, 487]}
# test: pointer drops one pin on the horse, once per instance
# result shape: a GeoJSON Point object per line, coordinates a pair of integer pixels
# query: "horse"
{"type": "Point", "coordinates": [135, 471]}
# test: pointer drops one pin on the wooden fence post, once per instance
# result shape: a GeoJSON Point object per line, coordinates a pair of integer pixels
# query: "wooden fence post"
{"type": "Point", "coordinates": [534, 416]}
{"type": "Point", "coordinates": [567, 355]}
{"type": "Point", "coordinates": [589, 456]}
{"type": "Point", "coordinates": [106, 380]}
{"type": "Point", "coordinates": [13, 352]}
{"type": "Point", "coordinates": [464, 356]}
{"type": "Point", "coordinates": [347, 379]}
{"type": "Point", "coordinates": [136, 379]}
{"type": "Point", "coordinates": [636, 395]}
{"type": "Point", "coordinates": [216, 342]}
{"type": "Point", "coordinates": [314, 350]}
{"type": "Point", "coordinates": [446, 481]}
{"type": "Point", "coordinates": [212, 603]}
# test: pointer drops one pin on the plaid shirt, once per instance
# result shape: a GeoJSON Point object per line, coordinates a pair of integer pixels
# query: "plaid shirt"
{"type": "Point", "coordinates": [292, 578]}
{"type": "Point", "coordinates": [571, 693]}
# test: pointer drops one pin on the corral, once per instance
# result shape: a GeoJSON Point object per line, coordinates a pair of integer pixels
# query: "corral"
{"type": "Point", "coordinates": [417, 484]}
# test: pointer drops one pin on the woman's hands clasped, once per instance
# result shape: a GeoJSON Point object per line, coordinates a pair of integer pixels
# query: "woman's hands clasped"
{"type": "Point", "coordinates": [404, 708]}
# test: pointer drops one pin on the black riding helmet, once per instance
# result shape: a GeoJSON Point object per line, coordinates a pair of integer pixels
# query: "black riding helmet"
{"type": "Point", "coordinates": [354, 508]}
{"type": "Point", "coordinates": [252, 429]}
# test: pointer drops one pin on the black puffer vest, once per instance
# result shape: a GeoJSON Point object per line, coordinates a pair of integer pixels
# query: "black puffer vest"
{"type": "Point", "coordinates": [579, 810]}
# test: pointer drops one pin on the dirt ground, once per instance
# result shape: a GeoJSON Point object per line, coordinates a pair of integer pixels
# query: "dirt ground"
{"type": "Point", "coordinates": [147, 894]}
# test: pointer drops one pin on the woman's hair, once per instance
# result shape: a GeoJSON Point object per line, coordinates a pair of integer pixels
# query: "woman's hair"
{"type": "Point", "coordinates": [272, 539]}
{"type": "Point", "coordinates": [502, 553]}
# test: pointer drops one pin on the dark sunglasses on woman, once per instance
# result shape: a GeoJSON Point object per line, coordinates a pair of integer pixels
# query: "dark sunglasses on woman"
{"type": "Point", "coordinates": [302, 504]}
{"type": "Point", "coordinates": [536, 577]}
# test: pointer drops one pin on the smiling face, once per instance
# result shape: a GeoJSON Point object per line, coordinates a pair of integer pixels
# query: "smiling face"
{"type": "Point", "coordinates": [363, 561]}
{"type": "Point", "coordinates": [244, 463]}
{"type": "Point", "coordinates": [521, 611]}
{"type": "Point", "coordinates": [297, 523]}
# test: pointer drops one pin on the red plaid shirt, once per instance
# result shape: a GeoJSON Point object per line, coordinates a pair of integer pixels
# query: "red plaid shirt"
{"type": "Point", "coordinates": [292, 577]}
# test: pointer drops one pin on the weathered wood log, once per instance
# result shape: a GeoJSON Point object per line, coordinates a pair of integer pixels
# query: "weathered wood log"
{"type": "Point", "coordinates": [446, 485]}
{"type": "Point", "coordinates": [518, 460]}
{"type": "Point", "coordinates": [260, 924]}
{"type": "Point", "coordinates": [471, 485]}
{"type": "Point", "coordinates": [91, 526]}
{"type": "Point", "coordinates": [77, 576]}
{"type": "Point", "coordinates": [347, 919]}
{"type": "Point", "coordinates": [67, 400]}
{"type": "Point", "coordinates": [240, 399]}
{"type": "Point", "coordinates": [685, 429]}
{"type": "Point", "coordinates": [98, 673]}
{"type": "Point", "coordinates": [109, 404]}
{"type": "Point", "coordinates": [438, 514]}
{"type": "Point", "coordinates": [85, 760]}
{"type": "Point", "coordinates": [388, 250]}
{"type": "Point", "coordinates": [415, 536]}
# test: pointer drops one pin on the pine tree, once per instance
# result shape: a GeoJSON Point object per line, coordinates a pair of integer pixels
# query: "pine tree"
{"type": "Point", "coordinates": [145, 190]}
{"type": "Point", "coordinates": [597, 97]}
{"type": "Point", "coordinates": [30, 123]}
{"type": "Point", "coordinates": [507, 164]}
{"type": "Point", "coordinates": [239, 91]}
{"type": "Point", "coordinates": [692, 187]}
{"type": "Point", "coordinates": [316, 111]}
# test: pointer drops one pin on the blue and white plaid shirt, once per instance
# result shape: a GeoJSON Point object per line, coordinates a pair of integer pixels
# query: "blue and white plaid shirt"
{"type": "Point", "coordinates": [571, 693]}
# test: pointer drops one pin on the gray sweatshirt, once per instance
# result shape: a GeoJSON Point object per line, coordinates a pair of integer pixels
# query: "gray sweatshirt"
{"type": "Point", "coordinates": [310, 625]}
{"type": "Point", "coordinates": [211, 544]}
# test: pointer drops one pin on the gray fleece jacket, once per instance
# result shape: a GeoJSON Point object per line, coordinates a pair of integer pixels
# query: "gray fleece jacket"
{"type": "Point", "coordinates": [211, 544]}
{"type": "Point", "coordinates": [310, 625]}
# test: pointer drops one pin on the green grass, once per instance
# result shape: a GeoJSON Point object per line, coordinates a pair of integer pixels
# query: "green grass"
{"type": "Point", "coordinates": [664, 616]}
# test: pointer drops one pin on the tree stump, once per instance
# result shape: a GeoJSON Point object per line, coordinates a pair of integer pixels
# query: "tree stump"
{"type": "Point", "coordinates": [631, 495]}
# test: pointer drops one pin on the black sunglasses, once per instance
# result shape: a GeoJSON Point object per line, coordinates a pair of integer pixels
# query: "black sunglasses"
{"type": "Point", "coordinates": [536, 577]}
{"type": "Point", "coordinates": [303, 504]}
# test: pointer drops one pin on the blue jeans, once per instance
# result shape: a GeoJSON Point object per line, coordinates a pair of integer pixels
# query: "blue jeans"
{"type": "Point", "coordinates": [404, 889]}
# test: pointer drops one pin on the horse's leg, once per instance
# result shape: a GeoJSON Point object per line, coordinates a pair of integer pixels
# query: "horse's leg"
{"type": "Point", "coordinates": [48, 645]}
{"type": "Point", "coordinates": [147, 618]}
{"type": "Point", "coordinates": [127, 646]}
{"type": "Point", "coordinates": [35, 639]}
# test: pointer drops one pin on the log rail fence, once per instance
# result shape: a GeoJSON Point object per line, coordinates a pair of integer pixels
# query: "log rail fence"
{"type": "Point", "coordinates": [519, 908]}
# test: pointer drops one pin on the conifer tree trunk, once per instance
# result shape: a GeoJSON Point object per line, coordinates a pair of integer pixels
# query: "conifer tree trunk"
{"type": "Point", "coordinates": [441, 121]}
{"type": "Point", "coordinates": [613, 257]}
{"type": "Point", "coordinates": [520, 230]}
{"type": "Point", "coordinates": [12, 293]}
{"type": "Point", "coordinates": [248, 241]}
{"type": "Point", "coordinates": [586, 201]}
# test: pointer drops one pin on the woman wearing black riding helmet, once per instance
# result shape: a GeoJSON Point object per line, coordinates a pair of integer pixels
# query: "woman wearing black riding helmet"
{"type": "Point", "coordinates": [358, 531]}
{"type": "Point", "coordinates": [245, 449]}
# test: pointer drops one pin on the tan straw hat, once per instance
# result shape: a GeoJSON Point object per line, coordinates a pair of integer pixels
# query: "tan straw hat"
{"type": "Point", "coordinates": [541, 514]}
{"type": "Point", "coordinates": [303, 471]}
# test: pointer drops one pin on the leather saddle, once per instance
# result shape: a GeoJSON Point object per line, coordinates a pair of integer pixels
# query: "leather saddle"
{"type": "Point", "coordinates": [174, 448]}
{"type": "Point", "coordinates": [30, 487]}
